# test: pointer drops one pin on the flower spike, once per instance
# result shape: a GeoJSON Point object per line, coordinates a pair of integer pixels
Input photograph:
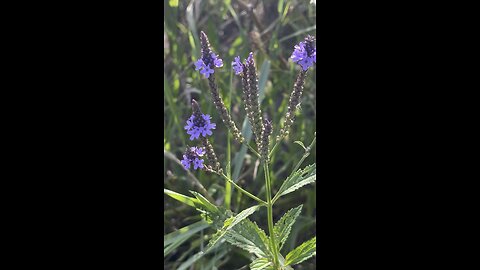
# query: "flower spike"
{"type": "Point", "coordinates": [305, 53]}
{"type": "Point", "coordinates": [193, 156]}
{"type": "Point", "coordinates": [199, 123]}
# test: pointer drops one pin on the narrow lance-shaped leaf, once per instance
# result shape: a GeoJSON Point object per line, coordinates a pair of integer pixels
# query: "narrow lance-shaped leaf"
{"type": "Point", "coordinates": [204, 203]}
{"type": "Point", "coordinates": [181, 198]}
{"type": "Point", "coordinates": [302, 252]}
{"type": "Point", "coordinates": [297, 180]}
{"type": "Point", "coordinates": [182, 232]}
{"type": "Point", "coordinates": [186, 264]}
{"type": "Point", "coordinates": [284, 225]}
{"type": "Point", "coordinates": [172, 240]}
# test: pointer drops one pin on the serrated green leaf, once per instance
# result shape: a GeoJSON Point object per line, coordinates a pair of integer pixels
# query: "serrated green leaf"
{"type": "Point", "coordinates": [244, 214]}
{"type": "Point", "coordinates": [297, 180]}
{"type": "Point", "coordinates": [261, 264]}
{"type": "Point", "coordinates": [182, 198]}
{"type": "Point", "coordinates": [284, 225]}
{"type": "Point", "coordinates": [231, 223]}
{"type": "Point", "coordinates": [204, 202]}
{"type": "Point", "coordinates": [249, 237]}
{"type": "Point", "coordinates": [227, 222]}
{"type": "Point", "coordinates": [172, 240]}
{"type": "Point", "coordinates": [302, 252]}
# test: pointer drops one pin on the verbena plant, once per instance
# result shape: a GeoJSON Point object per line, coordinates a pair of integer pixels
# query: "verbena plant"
{"type": "Point", "coordinates": [238, 229]}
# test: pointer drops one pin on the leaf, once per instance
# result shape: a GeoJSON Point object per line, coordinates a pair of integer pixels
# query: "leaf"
{"type": "Point", "coordinates": [267, 264]}
{"type": "Point", "coordinates": [280, 6]}
{"type": "Point", "coordinates": [303, 225]}
{"type": "Point", "coordinates": [262, 80]}
{"type": "Point", "coordinates": [297, 180]}
{"type": "Point", "coordinates": [281, 260]}
{"type": "Point", "coordinates": [195, 258]}
{"type": "Point", "coordinates": [173, 3]}
{"type": "Point", "coordinates": [204, 202]}
{"type": "Point", "coordinates": [298, 33]}
{"type": "Point", "coordinates": [210, 264]}
{"type": "Point", "coordinates": [191, 260]}
{"type": "Point", "coordinates": [230, 223]}
{"type": "Point", "coordinates": [173, 108]}
{"type": "Point", "coordinates": [193, 27]}
{"type": "Point", "coordinates": [185, 231]}
{"type": "Point", "coordinates": [261, 264]}
{"type": "Point", "coordinates": [302, 252]}
{"type": "Point", "coordinates": [182, 198]}
{"type": "Point", "coordinates": [301, 144]}
{"type": "Point", "coordinates": [249, 237]}
{"type": "Point", "coordinates": [284, 225]}
{"type": "Point", "coordinates": [172, 240]}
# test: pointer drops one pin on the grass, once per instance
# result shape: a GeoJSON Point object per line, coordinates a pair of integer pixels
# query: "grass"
{"type": "Point", "coordinates": [233, 31]}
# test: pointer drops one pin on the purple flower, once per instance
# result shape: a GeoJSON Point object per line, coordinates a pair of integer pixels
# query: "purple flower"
{"type": "Point", "coordinates": [199, 64]}
{"type": "Point", "coordinates": [217, 61]}
{"type": "Point", "coordinates": [199, 125]}
{"type": "Point", "coordinates": [299, 53]}
{"type": "Point", "coordinates": [206, 71]}
{"type": "Point", "coordinates": [198, 163]}
{"type": "Point", "coordinates": [200, 151]}
{"type": "Point", "coordinates": [207, 64]}
{"type": "Point", "coordinates": [306, 62]}
{"type": "Point", "coordinates": [250, 57]}
{"type": "Point", "coordinates": [192, 155]}
{"type": "Point", "coordinates": [305, 54]}
{"type": "Point", "coordinates": [237, 65]}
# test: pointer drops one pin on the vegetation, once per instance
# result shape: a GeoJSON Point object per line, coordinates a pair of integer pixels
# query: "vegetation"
{"type": "Point", "coordinates": [231, 200]}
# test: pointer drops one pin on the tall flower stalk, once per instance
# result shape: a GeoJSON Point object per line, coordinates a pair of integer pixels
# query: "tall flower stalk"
{"type": "Point", "coordinates": [200, 127]}
{"type": "Point", "coordinates": [210, 60]}
{"type": "Point", "coordinates": [304, 54]}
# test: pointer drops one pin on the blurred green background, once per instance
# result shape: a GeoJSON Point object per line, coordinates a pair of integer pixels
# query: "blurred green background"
{"type": "Point", "coordinates": [270, 29]}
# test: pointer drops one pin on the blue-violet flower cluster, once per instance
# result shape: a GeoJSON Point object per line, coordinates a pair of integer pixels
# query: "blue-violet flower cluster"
{"type": "Point", "coordinates": [238, 66]}
{"type": "Point", "coordinates": [305, 54]}
{"type": "Point", "coordinates": [207, 64]}
{"type": "Point", "coordinates": [199, 124]}
{"type": "Point", "coordinates": [192, 156]}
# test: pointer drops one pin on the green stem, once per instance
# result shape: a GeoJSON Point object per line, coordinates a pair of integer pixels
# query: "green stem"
{"type": "Point", "coordinates": [273, 148]}
{"type": "Point", "coordinates": [228, 185]}
{"type": "Point", "coordinates": [270, 214]}
{"type": "Point", "coordinates": [251, 149]}
{"type": "Point", "coordinates": [306, 154]}
{"type": "Point", "coordinates": [243, 190]}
